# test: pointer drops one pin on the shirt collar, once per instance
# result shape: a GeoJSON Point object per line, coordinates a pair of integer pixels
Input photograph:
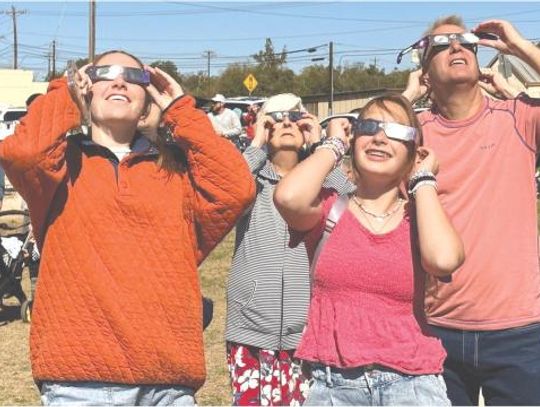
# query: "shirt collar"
{"type": "Point", "coordinates": [140, 145]}
{"type": "Point", "coordinates": [269, 172]}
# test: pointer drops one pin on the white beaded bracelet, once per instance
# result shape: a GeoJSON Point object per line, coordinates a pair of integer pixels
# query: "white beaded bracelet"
{"type": "Point", "coordinates": [431, 183]}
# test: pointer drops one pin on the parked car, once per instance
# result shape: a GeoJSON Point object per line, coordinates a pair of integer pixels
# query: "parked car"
{"type": "Point", "coordinates": [9, 117]}
{"type": "Point", "coordinates": [242, 102]}
{"type": "Point", "coordinates": [324, 122]}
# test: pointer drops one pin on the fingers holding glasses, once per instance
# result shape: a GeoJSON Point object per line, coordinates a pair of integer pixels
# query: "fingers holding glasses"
{"type": "Point", "coordinates": [310, 127]}
{"type": "Point", "coordinates": [426, 160]}
{"type": "Point", "coordinates": [263, 124]}
{"type": "Point", "coordinates": [163, 88]}
{"type": "Point", "coordinates": [509, 41]}
{"type": "Point", "coordinates": [79, 84]}
{"type": "Point", "coordinates": [340, 128]}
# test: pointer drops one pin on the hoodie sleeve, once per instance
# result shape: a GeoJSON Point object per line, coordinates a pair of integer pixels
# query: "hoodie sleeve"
{"type": "Point", "coordinates": [34, 156]}
{"type": "Point", "coordinates": [220, 178]}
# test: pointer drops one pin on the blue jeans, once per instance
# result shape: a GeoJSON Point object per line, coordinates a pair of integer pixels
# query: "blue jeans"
{"type": "Point", "coordinates": [108, 394]}
{"type": "Point", "coordinates": [504, 363]}
{"type": "Point", "coordinates": [374, 387]}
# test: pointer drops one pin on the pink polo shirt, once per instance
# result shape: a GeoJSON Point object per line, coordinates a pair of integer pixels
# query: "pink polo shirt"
{"type": "Point", "coordinates": [486, 185]}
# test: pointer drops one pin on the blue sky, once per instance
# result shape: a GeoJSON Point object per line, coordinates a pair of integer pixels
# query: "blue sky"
{"type": "Point", "coordinates": [369, 32]}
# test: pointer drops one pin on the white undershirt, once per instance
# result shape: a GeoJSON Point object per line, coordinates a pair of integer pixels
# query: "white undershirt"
{"type": "Point", "coordinates": [121, 153]}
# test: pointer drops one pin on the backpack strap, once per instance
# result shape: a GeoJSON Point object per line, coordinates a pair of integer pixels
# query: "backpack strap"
{"type": "Point", "coordinates": [338, 208]}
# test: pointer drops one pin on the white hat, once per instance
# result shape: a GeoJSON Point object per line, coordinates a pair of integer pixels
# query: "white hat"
{"type": "Point", "coordinates": [283, 101]}
{"type": "Point", "coordinates": [218, 98]}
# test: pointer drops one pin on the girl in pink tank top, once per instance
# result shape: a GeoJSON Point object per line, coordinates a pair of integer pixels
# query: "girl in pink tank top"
{"type": "Point", "coordinates": [366, 338]}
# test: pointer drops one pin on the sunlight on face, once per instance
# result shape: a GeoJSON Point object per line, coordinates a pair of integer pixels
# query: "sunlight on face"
{"type": "Point", "coordinates": [378, 154]}
{"type": "Point", "coordinates": [117, 101]}
{"type": "Point", "coordinates": [285, 135]}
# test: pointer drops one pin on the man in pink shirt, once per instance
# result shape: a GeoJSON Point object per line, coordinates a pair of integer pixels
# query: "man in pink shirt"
{"type": "Point", "coordinates": [488, 313]}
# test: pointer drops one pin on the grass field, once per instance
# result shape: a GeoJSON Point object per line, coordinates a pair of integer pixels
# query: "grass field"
{"type": "Point", "coordinates": [17, 387]}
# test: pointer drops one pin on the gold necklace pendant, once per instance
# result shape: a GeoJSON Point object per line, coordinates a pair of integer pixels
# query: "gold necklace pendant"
{"type": "Point", "coordinates": [383, 219]}
{"type": "Point", "coordinates": [380, 217]}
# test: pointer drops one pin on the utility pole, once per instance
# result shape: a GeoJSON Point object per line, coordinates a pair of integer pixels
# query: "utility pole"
{"type": "Point", "coordinates": [209, 54]}
{"type": "Point", "coordinates": [92, 31]}
{"type": "Point", "coordinates": [53, 58]}
{"type": "Point", "coordinates": [331, 76]}
{"type": "Point", "coordinates": [14, 13]}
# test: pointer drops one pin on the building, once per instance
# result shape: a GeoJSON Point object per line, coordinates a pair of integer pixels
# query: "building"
{"type": "Point", "coordinates": [343, 102]}
{"type": "Point", "coordinates": [16, 85]}
{"type": "Point", "coordinates": [518, 74]}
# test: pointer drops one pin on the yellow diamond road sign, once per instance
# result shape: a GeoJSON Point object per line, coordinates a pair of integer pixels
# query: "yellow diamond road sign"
{"type": "Point", "coordinates": [250, 83]}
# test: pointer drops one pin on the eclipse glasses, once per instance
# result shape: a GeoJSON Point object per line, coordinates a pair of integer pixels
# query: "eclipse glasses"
{"type": "Point", "coordinates": [293, 116]}
{"type": "Point", "coordinates": [395, 131]}
{"type": "Point", "coordinates": [422, 48]}
{"type": "Point", "coordinates": [136, 76]}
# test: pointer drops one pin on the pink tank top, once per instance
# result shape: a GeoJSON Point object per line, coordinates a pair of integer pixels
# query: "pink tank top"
{"type": "Point", "coordinates": [366, 305]}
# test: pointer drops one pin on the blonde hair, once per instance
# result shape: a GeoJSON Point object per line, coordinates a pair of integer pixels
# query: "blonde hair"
{"type": "Point", "coordinates": [453, 19]}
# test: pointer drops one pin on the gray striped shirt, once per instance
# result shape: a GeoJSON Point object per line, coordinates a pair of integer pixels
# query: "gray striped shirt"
{"type": "Point", "coordinates": [268, 289]}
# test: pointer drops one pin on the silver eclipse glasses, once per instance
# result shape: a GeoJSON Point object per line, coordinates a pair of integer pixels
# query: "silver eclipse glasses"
{"type": "Point", "coordinates": [293, 115]}
{"type": "Point", "coordinates": [422, 49]}
{"type": "Point", "coordinates": [136, 76]}
{"type": "Point", "coordinates": [394, 131]}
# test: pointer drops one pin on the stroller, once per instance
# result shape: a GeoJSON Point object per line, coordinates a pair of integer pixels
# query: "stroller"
{"type": "Point", "coordinates": [17, 251]}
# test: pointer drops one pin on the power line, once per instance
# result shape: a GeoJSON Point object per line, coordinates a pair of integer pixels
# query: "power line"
{"type": "Point", "coordinates": [14, 13]}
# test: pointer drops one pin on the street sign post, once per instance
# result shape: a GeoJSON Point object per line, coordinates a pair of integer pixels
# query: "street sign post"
{"type": "Point", "coordinates": [250, 83]}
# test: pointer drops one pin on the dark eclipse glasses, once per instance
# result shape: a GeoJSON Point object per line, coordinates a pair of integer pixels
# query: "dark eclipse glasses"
{"type": "Point", "coordinates": [394, 131]}
{"type": "Point", "coordinates": [293, 115]}
{"type": "Point", "coordinates": [422, 48]}
{"type": "Point", "coordinates": [136, 76]}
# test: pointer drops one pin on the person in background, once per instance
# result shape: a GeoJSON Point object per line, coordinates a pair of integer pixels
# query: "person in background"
{"type": "Point", "coordinates": [249, 118]}
{"type": "Point", "coordinates": [366, 336]}
{"type": "Point", "coordinates": [226, 123]}
{"type": "Point", "coordinates": [269, 284]}
{"type": "Point", "coordinates": [30, 99]}
{"type": "Point", "coordinates": [122, 225]}
{"type": "Point", "coordinates": [488, 313]}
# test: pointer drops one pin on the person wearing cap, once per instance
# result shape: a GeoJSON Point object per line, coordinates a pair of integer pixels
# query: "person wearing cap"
{"type": "Point", "coordinates": [226, 123]}
{"type": "Point", "coordinates": [366, 337]}
{"type": "Point", "coordinates": [488, 313]}
{"type": "Point", "coordinates": [122, 224]}
{"type": "Point", "coordinates": [269, 288]}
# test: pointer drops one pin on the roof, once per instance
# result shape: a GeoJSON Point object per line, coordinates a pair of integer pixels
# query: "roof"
{"type": "Point", "coordinates": [524, 72]}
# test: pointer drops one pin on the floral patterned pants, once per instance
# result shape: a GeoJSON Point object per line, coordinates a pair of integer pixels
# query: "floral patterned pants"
{"type": "Point", "coordinates": [262, 377]}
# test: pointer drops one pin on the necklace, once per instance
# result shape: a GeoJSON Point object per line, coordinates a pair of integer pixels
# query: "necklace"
{"type": "Point", "coordinates": [379, 217]}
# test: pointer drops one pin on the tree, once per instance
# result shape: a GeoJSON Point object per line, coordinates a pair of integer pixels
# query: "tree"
{"type": "Point", "coordinates": [312, 80]}
{"type": "Point", "coordinates": [169, 67]}
{"type": "Point", "coordinates": [268, 59]}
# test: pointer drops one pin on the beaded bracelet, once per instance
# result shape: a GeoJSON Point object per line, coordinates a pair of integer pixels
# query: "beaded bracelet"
{"type": "Point", "coordinates": [431, 183]}
{"type": "Point", "coordinates": [420, 174]}
{"type": "Point", "coordinates": [337, 146]}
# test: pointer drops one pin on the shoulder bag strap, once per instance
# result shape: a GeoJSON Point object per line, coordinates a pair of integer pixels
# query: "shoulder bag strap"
{"type": "Point", "coordinates": [338, 208]}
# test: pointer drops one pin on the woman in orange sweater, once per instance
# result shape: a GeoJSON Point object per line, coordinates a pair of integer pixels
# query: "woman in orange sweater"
{"type": "Point", "coordinates": [122, 224]}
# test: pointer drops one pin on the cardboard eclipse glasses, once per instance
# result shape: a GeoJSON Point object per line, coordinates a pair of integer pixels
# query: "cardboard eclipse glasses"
{"type": "Point", "coordinates": [136, 76]}
{"type": "Point", "coordinates": [293, 115]}
{"type": "Point", "coordinates": [394, 131]}
{"type": "Point", "coordinates": [422, 48]}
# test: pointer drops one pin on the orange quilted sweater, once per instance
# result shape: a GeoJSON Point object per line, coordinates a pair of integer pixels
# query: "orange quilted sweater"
{"type": "Point", "coordinates": [118, 296]}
